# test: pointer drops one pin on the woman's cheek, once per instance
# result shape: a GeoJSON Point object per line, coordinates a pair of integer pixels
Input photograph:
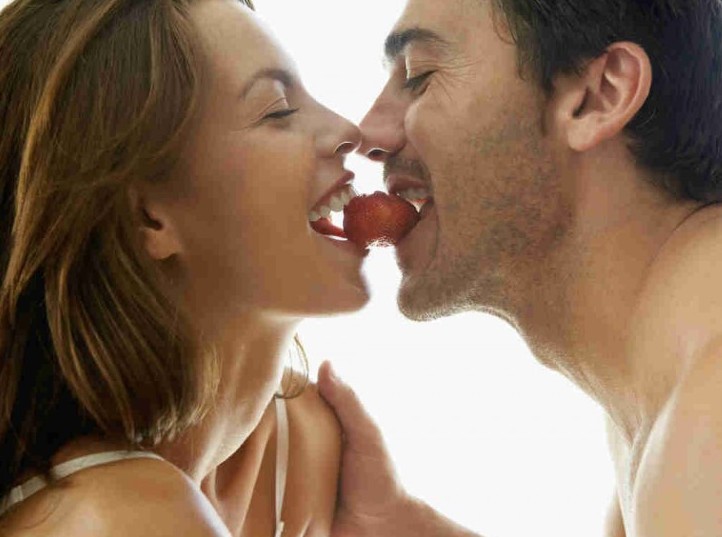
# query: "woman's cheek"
{"type": "Point", "coordinates": [276, 179]}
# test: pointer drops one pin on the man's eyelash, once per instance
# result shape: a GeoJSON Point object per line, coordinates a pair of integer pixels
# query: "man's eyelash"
{"type": "Point", "coordinates": [280, 114]}
{"type": "Point", "coordinates": [416, 82]}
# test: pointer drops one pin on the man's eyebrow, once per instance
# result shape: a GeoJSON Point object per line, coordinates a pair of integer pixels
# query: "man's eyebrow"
{"type": "Point", "coordinates": [396, 42]}
{"type": "Point", "coordinates": [272, 73]}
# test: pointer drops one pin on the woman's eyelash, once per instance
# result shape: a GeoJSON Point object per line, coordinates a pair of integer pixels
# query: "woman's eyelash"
{"type": "Point", "coordinates": [416, 82]}
{"type": "Point", "coordinates": [280, 114]}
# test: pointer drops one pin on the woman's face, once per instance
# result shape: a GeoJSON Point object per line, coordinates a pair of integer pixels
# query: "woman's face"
{"type": "Point", "coordinates": [263, 155]}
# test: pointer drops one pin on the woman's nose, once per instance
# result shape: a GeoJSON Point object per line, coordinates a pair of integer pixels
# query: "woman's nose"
{"type": "Point", "coordinates": [343, 138]}
{"type": "Point", "coordinates": [344, 148]}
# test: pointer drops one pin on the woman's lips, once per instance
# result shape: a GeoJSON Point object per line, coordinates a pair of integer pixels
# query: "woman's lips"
{"type": "Point", "coordinates": [335, 198]}
{"type": "Point", "coordinates": [332, 202]}
{"type": "Point", "coordinates": [324, 226]}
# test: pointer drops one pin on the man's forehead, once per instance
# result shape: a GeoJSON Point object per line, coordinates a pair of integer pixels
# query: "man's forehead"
{"type": "Point", "coordinates": [435, 22]}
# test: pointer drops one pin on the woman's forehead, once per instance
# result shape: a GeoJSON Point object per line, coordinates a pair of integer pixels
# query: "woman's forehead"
{"type": "Point", "coordinates": [237, 42]}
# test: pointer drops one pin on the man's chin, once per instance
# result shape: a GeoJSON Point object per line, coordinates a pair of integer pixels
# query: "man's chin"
{"type": "Point", "coordinates": [416, 302]}
{"type": "Point", "coordinates": [420, 300]}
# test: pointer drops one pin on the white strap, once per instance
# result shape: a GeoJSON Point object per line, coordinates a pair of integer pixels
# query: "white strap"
{"type": "Point", "coordinates": [35, 484]}
{"type": "Point", "coordinates": [281, 460]}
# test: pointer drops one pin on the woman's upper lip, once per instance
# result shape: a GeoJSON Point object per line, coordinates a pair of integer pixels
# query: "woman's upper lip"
{"type": "Point", "coordinates": [343, 181]}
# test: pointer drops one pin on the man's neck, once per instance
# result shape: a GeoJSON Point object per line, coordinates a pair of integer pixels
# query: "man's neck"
{"type": "Point", "coordinates": [588, 327]}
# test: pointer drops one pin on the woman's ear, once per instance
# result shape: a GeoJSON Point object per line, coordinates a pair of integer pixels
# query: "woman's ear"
{"type": "Point", "coordinates": [159, 235]}
{"type": "Point", "coordinates": [597, 104]}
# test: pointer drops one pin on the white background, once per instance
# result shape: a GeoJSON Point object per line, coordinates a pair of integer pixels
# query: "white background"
{"type": "Point", "coordinates": [477, 428]}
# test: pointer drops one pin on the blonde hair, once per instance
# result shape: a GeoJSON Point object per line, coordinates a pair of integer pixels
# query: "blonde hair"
{"type": "Point", "coordinates": [94, 95]}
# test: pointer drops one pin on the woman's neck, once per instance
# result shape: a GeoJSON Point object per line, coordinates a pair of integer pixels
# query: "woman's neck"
{"type": "Point", "coordinates": [251, 359]}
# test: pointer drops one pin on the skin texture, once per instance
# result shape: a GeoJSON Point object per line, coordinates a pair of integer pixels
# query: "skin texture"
{"type": "Point", "coordinates": [543, 218]}
{"type": "Point", "coordinates": [242, 489]}
{"type": "Point", "coordinates": [231, 231]}
{"type": "Point", "coordinates": [492, 185]}
{"type": "Point", "coordinates": [237, 496]}
{"type": "Point", "coordinates": [240, 217]}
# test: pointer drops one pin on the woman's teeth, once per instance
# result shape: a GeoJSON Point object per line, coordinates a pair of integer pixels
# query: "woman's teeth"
{"type": "Point", "coordinates": [337, 202]}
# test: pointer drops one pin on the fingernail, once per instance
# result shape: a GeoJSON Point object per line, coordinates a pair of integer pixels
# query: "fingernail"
{"type": "Point", "coordinates": [332, 374]}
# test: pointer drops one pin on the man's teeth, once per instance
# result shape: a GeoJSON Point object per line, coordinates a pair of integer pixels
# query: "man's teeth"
{"type": "Point", "coordinates": [414, 194]}
{"type": "Point", "coordinates": [336, 203]}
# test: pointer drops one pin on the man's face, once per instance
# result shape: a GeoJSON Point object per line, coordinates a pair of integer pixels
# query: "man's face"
{"type": "Point", "coordinates": [456, 119]}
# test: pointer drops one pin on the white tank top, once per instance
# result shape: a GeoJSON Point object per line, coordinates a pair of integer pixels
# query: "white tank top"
{"type": "Point", "coordinates": [31, 486]}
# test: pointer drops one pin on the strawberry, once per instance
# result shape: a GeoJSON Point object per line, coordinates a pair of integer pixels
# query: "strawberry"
{"type": "Point", "coordinates": [378, 219]}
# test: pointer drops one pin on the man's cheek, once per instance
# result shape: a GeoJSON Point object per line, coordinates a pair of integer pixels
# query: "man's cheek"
{"type": "Point", "coordinates": [424, 127]}
{"type": "Point", "coordinates": [427, 129]}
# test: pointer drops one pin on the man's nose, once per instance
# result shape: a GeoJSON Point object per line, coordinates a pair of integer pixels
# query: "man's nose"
{"type": "Point", "coordinates": [382, 131]}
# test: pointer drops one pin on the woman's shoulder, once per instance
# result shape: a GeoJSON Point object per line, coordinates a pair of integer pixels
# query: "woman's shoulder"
{"type": "Point", "coordinates": [144, 496]}
{"type": "Point", "coordinates": [243, 488]}
{"type": "Point", "coordinates": [313, 424]}
{"type": "Point", "coordinates": [155, 494]}
{"type": "Point", "coordinates": [314, 459]}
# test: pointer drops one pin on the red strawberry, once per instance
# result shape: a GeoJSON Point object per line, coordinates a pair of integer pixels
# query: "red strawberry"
{"type": "Point", "coordinates": [378, 219]}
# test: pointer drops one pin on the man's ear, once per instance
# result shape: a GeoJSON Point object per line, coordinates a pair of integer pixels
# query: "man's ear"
{"type": "Point", "coordinates": [159, 235]}
{"type": "Point", "coordinates": [596, 105]}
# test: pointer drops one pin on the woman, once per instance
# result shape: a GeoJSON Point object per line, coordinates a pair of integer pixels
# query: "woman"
{"type": "Point", "coordinates": [158, 163]}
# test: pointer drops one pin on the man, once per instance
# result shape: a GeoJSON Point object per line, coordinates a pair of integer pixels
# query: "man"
{"type": "Point", "coordinates": [572, 151]}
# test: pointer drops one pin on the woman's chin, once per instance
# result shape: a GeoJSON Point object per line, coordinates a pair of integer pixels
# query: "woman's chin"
{"type": "Point", "coordinates": [341, 286]}
{"type": "Point", "coordinates": [358, 301]}
{"type": "Point", "coordinates": [348, 298]}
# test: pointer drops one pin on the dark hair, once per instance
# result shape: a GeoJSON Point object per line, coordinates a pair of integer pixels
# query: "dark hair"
{"type": "Point", "coordinates": [677, 134]}
{"type": "Point", "coordinates": [94, 95]}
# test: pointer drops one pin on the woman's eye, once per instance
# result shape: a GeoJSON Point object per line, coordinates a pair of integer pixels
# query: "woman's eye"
{"type": "Point", "coordinates": [415, 83]}
{"type": "Point", "coordinates": [280, 114]}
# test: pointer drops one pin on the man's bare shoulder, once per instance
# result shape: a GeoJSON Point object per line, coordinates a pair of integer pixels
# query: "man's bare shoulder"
{"type": "Point", "coordinates": [680, 477]}
{"type": "Point", "coordinates": [685, 267]}
{"type": "Point", "coordinates": [679, 303]}
{"type": "Point", "coordinates": [131, 497]}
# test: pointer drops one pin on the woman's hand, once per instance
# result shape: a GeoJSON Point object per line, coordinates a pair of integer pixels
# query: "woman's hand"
{"type": "Point", "coordinates": [371, 498]}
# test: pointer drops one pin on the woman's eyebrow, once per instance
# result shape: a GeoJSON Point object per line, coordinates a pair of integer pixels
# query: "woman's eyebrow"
{"type": "Point", "coordinates": [272, 73]}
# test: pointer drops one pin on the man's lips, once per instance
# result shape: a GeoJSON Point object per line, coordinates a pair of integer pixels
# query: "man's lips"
{"type": "Point", "coordinates": [415, 191]}
{"type": "Point", "coordinates": [398, 183]}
